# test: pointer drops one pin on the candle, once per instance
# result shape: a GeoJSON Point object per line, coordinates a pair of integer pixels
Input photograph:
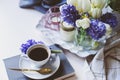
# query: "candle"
{"type": "Point", "coordinates": [67, 27]}
{"type": "Point", "coordinates": [67, 32]}
{"type": "Point", "coordinates": [55, 19]}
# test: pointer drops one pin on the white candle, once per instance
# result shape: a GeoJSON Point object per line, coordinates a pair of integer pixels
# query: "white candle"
{"type": "Point", "coordinates": [66, 25]}
{"type": "Point", "coordinates": [55, 19]}
{"type": "Point", "coordinates": [67, 32]}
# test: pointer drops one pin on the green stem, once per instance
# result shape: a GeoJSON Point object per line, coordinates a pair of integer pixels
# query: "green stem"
{"type": "Point", "coordinates": [82, 35]}
{"type": "Point", "coordinates": [56, 51]}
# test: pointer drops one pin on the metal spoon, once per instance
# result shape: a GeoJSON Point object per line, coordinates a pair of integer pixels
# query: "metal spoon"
{"type": "Point", "coordinates": [41, 71]}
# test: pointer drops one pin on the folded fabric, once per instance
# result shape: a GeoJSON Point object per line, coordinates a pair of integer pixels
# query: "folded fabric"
{"type": "Point", "coordinates": [43, 9]}
{"type": "Point", "coordinates": [29, 3]}
{"type": "Point", "coordinates": [105, 65]}
{"type": "Point", "coordinates": [38, 4]}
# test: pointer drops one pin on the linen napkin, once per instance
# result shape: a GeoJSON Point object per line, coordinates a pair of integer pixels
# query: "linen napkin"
{"type": "Point", "coordinates": [105, 65]}
{"type": "Point", "coordinates": [38, 5]}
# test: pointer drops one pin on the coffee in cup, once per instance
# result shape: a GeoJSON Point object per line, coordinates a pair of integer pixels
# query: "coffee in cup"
{"type": "Point", "coordinates": [38, 54]}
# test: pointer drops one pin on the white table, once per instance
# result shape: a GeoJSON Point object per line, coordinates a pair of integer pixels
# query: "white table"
{"type": "Point", "coordinates": [17, 26]}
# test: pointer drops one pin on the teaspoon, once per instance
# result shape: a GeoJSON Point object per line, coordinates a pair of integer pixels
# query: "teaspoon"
{"type": "Point", "coordinates": [41, 71]}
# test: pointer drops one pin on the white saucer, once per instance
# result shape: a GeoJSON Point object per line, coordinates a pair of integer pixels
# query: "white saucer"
{"type": "Point", "coordinates": [53, 63]}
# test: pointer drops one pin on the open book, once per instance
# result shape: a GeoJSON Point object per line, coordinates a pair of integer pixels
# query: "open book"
{"type": "Point", "coordinates": [65, 70]}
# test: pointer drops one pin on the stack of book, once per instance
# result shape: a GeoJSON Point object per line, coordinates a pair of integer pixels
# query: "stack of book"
{"type": "Point", "coordinates": [65, 70]}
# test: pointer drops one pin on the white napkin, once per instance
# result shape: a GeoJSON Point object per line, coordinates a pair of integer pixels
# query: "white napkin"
{"type": "Point", "coordinates": [105, 65]}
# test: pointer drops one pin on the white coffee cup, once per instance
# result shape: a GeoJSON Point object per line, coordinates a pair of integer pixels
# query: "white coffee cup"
{"type": "Point", "coordinates": [38, 54]}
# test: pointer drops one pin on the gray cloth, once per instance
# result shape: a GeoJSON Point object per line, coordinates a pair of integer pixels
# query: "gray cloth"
{"type": "Point", "coordinates": [105, 65]}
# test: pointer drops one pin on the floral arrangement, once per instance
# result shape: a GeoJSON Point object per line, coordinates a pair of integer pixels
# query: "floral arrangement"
{"type": "Point", "coordinates": [29, 43]}
{"type": "Point", "coordinates": [86, 16]}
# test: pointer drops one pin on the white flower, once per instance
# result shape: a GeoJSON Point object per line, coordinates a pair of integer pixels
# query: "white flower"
{"type": "Point", "coordinates": [72, 2]}
{"type": "Point", "coordinates": [99, 3]}
{"type": "Point", "coordinates": [96, 12]}
{"type": "Point", "coordinates": [84, 23]}
{"type": "Point", "coordinates": [108, 30]}
{"type": "Point", "coordinates": [81, 5]}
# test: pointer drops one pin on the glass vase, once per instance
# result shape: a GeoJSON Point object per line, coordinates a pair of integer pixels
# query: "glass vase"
{"type": "Point", "coordinates": [86, 42]}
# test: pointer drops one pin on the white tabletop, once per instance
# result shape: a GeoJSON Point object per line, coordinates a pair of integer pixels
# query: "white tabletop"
{"type": "Point", "coordinates": [17, 25]}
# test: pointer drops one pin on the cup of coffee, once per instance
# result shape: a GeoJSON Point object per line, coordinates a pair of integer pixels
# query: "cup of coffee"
{"type": "Point", "coordinates": [38, 54]}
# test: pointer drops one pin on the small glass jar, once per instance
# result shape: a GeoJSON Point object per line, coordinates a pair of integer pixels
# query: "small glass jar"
{"type": "Point", "coordinates": [53, 18]}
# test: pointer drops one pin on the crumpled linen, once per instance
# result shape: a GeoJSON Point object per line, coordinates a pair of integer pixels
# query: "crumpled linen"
{"type": "Point", "coordinates": [105, 65]}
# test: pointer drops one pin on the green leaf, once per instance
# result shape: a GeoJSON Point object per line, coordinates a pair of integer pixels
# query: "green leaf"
{"type": "Point", "coordinates": [56, 51]}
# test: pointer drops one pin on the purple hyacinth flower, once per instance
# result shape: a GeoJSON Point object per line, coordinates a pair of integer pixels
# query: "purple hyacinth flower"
{"type": "Point", "coordinates": [110, 19]}
{"type": "Point", "coordinates": [69, 14]}
{"type": "Point", "coordinates": [29, 43]}
{"type": "Point", "coordinates": [97, 29]}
